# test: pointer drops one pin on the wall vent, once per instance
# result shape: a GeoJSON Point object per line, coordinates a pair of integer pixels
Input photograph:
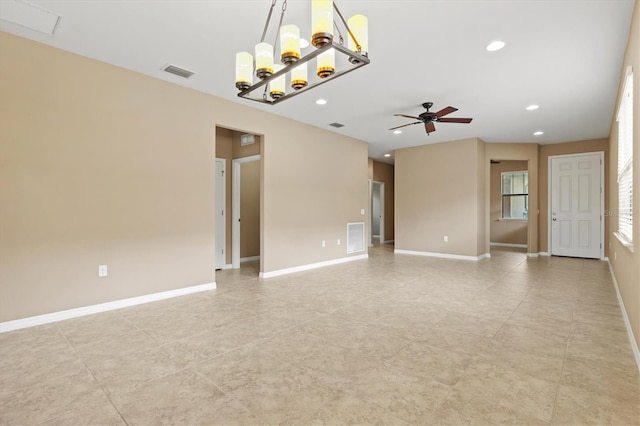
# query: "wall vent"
{"type": "Point", "coordinates": [247, 139]}
{"type": "Point", "coordinates": [181, 72]}
{"type": "Point", "coordinates": [338, 125]}
{"type": "Point", "coordinates": [355, 237]}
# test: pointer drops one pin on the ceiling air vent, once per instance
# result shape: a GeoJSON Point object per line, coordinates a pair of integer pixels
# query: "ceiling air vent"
{"type": "Point", "coordinates": [337, 125]}
{"type": "Point", "coordinates": [181, 72]}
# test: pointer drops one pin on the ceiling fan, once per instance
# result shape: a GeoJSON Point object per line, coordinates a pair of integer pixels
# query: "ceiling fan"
{"type": "Point", "coordinates": [428, 118]}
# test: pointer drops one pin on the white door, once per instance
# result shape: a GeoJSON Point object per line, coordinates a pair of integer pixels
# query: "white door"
{"type": "Point", "coordinates": [576, 205]}
{"type": "Point", "coordinates": [220, 209]}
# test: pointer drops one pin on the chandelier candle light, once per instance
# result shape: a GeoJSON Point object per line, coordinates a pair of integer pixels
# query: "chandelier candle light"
{"type": "Point", "coordinates": [272, 77]}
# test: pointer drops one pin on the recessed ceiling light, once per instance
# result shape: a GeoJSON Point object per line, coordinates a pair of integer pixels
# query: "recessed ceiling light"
{"type": "Point", "coordinates": [538, 133]}
{"type": "Point", "coordinates": [397, 132]}
{"type": "Point", "coordinates": [387, 155]}
{"type": "Point", "coordinates": [495, 45]}
{"type": "Point", "coordinates": [532, 107]}
{"type": "Point", "coordinates": [321, 102]}
{"type": "Point", "coordinates": [303, 43]}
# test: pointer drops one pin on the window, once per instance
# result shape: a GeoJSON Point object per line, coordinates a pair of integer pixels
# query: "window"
{"type": "Point", "coordinates": [625, 160]}
{"type": "Point", "coordinates": [515, 195]}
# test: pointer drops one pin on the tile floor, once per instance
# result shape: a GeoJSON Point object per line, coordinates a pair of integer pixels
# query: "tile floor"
{"type": "Point", "coordinates": [394, 339]}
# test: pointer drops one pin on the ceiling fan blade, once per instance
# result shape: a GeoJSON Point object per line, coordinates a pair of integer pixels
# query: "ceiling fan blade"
{"type": "Point", "coordinates": [445, 111]}
{"type": "Point", "coordinates": [430, 127]}
{"type": "Point", "coordinates": [408, 116]}
{"type": "Point", "coordinates": [455, 120]}
{"type": "Point", "coordinates": [405, 125]}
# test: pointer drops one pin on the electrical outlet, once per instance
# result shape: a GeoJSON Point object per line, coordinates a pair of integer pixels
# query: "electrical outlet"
{"type": "Point", "coordinates": [446, 239]}
{"type": "Point", "coordinates": [615, 256]}
{"type": "Point", "coordinates": [324, 243]}
{"type": "Point", "coordinates": [102, 271]}
{"type": "Point", "coordinates": [338, 241]}
{"type": "Point", "coordinates": [362, 212]}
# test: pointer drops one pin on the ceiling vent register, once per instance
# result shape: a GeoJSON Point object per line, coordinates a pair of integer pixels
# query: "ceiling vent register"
{"type": "Point", "coordinates": [180, 72]}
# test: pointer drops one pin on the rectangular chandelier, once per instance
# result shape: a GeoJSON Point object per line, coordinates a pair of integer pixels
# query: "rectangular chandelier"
{"type": "Point", "coordinates": [271, 87]}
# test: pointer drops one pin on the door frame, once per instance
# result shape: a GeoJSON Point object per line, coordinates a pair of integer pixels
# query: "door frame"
{"type": "Point", "coordinates": [550, 194]}
{"type": "Point", "coordinates": [223, 237]}
{"type": "Point", "coordinates": [370, 210]}
{"type": "Point", "coordinates": [235, 204]}
{"type": "Point", "coordinates": [382, 209]}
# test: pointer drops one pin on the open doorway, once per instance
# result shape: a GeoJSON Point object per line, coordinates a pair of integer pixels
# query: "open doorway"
{"type": "Point", "coordinates": [245, 244]}
{"type": "Point", "coordinates": [380, 215]}
{"type": "Point", "coordinates": [509, 203]}
{"type": "Point", "coordinates": [239, 155]}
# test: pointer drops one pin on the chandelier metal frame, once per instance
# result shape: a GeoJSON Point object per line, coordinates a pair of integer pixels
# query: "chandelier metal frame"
{"type": "Point", "coordinates": [356, 59]}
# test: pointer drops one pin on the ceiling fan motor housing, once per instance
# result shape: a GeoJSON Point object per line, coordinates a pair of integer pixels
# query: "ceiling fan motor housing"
{"type": "Point", "coordinates": [427, 116]}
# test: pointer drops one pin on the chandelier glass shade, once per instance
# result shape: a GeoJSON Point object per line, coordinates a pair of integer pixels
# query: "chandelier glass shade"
{"type": "Point", "coordinates": [332, 58]}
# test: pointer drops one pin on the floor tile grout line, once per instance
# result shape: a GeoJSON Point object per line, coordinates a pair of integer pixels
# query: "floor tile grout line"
{"type": "Point", "coordinates": [555, 400]}
{"type": "Point", "coordinates": [214, 384]}
{"type": "Point", "coordinates": [104, 391]}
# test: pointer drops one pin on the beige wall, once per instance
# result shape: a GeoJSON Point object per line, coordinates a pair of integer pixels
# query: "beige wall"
{"type": "Point", "coordinates": [383, 172]}
{"type": "Point", "coordinates": [547, 151]}
{"type": "Point", "coordinates": [101, 165]}
{"type": "Point", "coordinates": [510, 231]}
{"type": "Point", "coordinates": [250, 209]}
{"type": "Point", "coordinates": [524, 152]}
{"type": "Point", "coordinates": [626, 263]}
{"type": "Point", "coordinates": [436, 192]}
{"type": "Point", "coordinates": [304, 205]}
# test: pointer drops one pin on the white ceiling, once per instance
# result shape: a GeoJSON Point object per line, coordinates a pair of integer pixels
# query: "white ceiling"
{"type": "Point", "coordinates": [564, 55]}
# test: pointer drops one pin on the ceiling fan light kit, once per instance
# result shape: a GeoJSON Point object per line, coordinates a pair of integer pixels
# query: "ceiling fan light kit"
{"type": "Point", "coordinates": [271, 87]}
{"type": "Point", "coordinates": [429, 118]}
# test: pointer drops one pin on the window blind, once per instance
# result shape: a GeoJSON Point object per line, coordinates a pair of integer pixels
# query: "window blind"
{"type": "Point", "coordinates": [625, 161]}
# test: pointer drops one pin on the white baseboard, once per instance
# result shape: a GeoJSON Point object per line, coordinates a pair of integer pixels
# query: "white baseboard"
{"type": "Point", "coordinates": [627, 323]}
{"type": "Point", "coordinates": [508, 245]}
{"type": "Point", "coordinates": [534, 254]}
{"type": "Point", "coordinates": [249, 259]}
{"type": "Point", "coordinates": [227, 266]}
{"type": "Point", "coordinates": [389, 241]}
{"type": "Point", "coordinates": [311, 266]}
{"type": "Point", "coordinates": [442, 255]}
{"type": "Point", "coordinates": [102, 307]}
{"type": "Point", "coordinates": [544, 253]}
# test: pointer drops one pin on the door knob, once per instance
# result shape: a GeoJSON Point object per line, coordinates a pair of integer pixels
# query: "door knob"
{"type": "Point", "coordinates": [554, 219]}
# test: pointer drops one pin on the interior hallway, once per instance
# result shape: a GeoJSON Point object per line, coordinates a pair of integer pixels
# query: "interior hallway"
{"type": "Point", "coordinates": [390, 340]}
